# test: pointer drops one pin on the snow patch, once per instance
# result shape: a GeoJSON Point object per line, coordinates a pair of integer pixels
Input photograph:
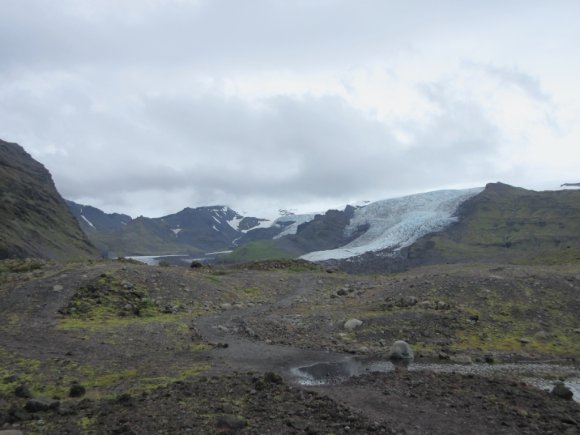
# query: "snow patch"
{"type": "Point", "coordinates": [235, 223]}
{"type": "Point", "coordinates": [266, 223]}
{"type": "Point", "coordinates": [216, 219]}
{"type": "Point", "coordinates": [295, 220]}
{"type": "Point", "coordinates": [176, 231]}
{"type": "Point", "coordinates": [88, 221]}
{"type": "Point", "coordinates": [397, 223]}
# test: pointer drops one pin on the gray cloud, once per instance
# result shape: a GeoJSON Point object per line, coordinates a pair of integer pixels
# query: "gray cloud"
{"type": "Point", "coordinates": [126, 102]}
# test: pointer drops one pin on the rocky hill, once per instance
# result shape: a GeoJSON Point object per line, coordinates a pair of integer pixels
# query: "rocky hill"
{"type": "Point", "coordinates": [34, 219]}
{"type": "Point", "coordinates": [501, 224]}
{"type": "Point", "coordinates": [192, 231]}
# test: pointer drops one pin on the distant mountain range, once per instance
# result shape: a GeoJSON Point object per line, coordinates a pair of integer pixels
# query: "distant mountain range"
{"type": "Point", "coordinates": [192, 231]}
{"type": "Point", "coordinates": [495, 223]}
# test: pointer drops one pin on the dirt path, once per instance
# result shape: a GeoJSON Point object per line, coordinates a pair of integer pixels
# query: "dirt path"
{"type": "Point", "coordinates": [239, 352]}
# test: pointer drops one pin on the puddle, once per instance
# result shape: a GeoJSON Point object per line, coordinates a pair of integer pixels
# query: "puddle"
{"type": "Point", "coordinates": [540, 375]}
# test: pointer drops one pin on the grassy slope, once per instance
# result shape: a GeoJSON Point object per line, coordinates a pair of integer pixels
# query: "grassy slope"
{"type": "Point", "coordinates": [144, 237]}
{"type": "Point", "coordinates": [34, 220]}
{"type": "Point", "coordinates": [510, 224]}
{"type": "Point", "coordinates": [256, 251]}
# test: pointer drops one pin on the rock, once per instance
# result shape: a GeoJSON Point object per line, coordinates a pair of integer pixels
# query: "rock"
{"type": "Point", "coordinates": [226, 306]}
{"type": "Point", "coordinates": [228, 421]}
{"type": "Point", "coordinates": [170, 309]}
{"type": "Point", "coordinates": [352, 324]}
{"type": "Point", "coordinates": [400, 350]}
{"type": "Point", "coordinates": [440, 305]}
{"type": "Point", "coordinates": [427, 305]}
{"type": "Point", "coordinates": [57, 288]}
{"type": "Point", "coordinates": [407, 301]}
{"type": "Point", "coordinates": [577, 330]}
{"type": "Point", "coordinates": [273, 378]}
{"type": "Point", "coordinates": [23, 391]}
{"type": "Point", "coordinates": [127, 285]}
{"type": "Point", "coordinates": [41, 405]}
{"type": "Point", "coordinates": [342, 292]}
{"type": "Point", "coordinates": [11, 432]}
{"type": "Point", "coordinates": [524, 340]}
{"type": "Point", "coordinates": [562, 391]}
{"type": "Point", "coordinates": [461, 359]}
{"type": "Point", "coordinates": [77, 390]}
{"type": "Point", "coordinates": [196, 265]}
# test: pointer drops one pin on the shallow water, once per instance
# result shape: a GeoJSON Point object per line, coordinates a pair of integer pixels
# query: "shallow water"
{"type": "Point", "coordinates": [540, 375]}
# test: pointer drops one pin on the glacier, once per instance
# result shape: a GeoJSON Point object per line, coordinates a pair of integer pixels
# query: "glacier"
{"type": "Point", "coordinates": [292, 222]}
{"type": "Point", "coordinates": [398, 222]}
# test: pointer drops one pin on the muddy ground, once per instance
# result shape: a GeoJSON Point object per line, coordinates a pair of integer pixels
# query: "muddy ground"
{"type": "Point", "coordinates": [119, 347]}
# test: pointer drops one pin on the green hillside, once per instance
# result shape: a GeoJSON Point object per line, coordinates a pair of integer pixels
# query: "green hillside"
{"type": "Point", "coordinates": [34, 219]}
{"type": "Point", "coordinates": [511, 224]}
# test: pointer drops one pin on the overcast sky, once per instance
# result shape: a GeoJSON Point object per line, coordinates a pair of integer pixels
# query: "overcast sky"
{"type": "Point", "coordinates": [149, 106]}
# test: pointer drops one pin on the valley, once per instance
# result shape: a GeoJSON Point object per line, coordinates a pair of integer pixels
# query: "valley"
{"type": "Point", "coordinates": [165, 349]}
{"type": "Point", "coordinates": [229, 328]}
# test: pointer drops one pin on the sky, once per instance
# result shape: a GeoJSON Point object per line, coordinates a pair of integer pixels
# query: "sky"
{"type": "Point", "coordinates": [146, 107]}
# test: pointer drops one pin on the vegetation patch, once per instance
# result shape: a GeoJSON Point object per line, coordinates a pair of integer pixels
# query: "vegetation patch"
{"type": "Point", "coordinates": [257, 251]}
{"type": "Point", "coordinates": [108, 298]}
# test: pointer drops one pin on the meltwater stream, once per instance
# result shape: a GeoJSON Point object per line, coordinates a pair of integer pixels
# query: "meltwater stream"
{"type": "Point", "coordinates": [540, 375]}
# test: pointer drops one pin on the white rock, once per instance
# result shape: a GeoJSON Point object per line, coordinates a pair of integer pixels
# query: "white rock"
{"type": "Point", "coordinates": [352, 324]}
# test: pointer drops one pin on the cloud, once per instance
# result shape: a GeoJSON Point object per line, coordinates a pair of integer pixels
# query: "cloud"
{"type": "Point", "coordinates": [148, 106]}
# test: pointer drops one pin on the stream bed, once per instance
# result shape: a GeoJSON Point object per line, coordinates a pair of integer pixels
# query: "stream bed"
{"type": "Point", "coordinates": [539, 375]}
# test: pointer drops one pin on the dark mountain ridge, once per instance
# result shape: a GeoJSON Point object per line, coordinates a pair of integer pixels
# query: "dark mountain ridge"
{"type": "Point", "coordinates": [501, 224]}
{"type": "Point", "coordinates": [192, 231]}
{"type": "Point", "coordinates": [34, 218]}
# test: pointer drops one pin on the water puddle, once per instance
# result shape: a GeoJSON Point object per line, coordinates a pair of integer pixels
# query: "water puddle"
{"type": "Point", "coordinates": [540, 375]}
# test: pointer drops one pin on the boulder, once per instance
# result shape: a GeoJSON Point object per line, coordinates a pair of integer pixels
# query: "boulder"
{"type": "Point", "coordinates": [461, 359]}
{"type": "Point", "coordinates": [352, 324]}
{"type": "Point", "coordinates": [231, 422]}
{"type": "Point", "coordinates": [562, 391]}
{"type": "Point", "coordinates": [77, 390]}
{"type": "Point", "coordinates": [23, 391]}
{"type": "Point", "coordinates": [41, 405]}
{"type": "Point", "coordinates": [400, 350]}
{"type": "Point", "coordinates": [407, 301]}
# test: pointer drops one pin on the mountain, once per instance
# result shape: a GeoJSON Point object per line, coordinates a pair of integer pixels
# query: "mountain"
{"type": "Point", "coordinates": [34, 219]}
{"type": "Point", "coordinates": [393, 224]}
{"type": "Point", "coordinates": [502, 224]}
{"type": "Point", "coordinates": [91, 219]}
{"type": "Point", "coordinates": [192, 231]}
{"type": "Point", "coordinates": [495, 223]}
{"type": "Point", "coordinates": [383, 226]}
{"type": "Point", "coordinates": [511, 224]}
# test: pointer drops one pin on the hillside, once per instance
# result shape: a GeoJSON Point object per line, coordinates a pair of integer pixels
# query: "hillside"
{"type": "Point", "coordinates": [192, 231]}
{"type": "Point", "coordinates": [34, 219]}
{"type": "Point", "coordinates": [510, 224]}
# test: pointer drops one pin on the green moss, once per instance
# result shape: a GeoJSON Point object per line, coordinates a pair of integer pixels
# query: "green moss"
{"type": "Point", "coordinates": [148, 384]}
{"type": "Point", "coordinates": [86, 423]}
{"type": "Point", "coordinates": [257, 251]}
{"type": "Point", "coordinates": [107, 299]}
{"type": "Point", "coordinates": [103, 323]}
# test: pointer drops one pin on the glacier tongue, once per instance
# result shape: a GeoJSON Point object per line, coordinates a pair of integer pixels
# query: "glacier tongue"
{"type": "Point", "coordinates": [398, 222]}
